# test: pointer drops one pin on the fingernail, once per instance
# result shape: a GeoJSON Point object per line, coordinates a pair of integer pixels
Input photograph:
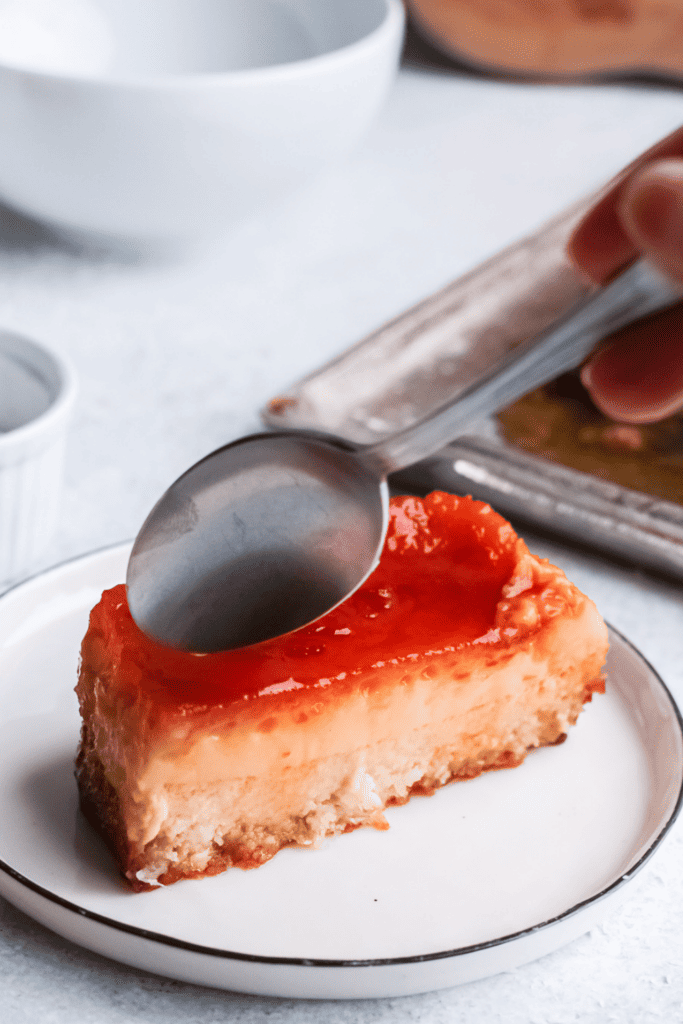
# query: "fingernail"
{"type": "Point", "coordinates": [586, 375]}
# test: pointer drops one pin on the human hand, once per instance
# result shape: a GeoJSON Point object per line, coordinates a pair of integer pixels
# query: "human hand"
{"type": "Point", "coordinates": [637, 377]}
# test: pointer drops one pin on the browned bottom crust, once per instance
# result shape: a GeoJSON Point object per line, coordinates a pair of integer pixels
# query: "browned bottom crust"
{"type": "Point", "coordinates": [100, 805]}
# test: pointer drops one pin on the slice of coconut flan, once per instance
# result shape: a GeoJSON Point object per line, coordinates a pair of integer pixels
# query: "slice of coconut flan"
{"type": "Point", "coordinates": [460, 653]}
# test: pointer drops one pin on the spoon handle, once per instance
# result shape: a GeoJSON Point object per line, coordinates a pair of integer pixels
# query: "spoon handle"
{"type": "Point", "coordinates": [636, 292]}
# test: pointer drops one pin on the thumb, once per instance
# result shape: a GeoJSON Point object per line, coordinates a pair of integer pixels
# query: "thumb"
{"type": "Point", "coordinates": [651, 212]}
{"type": "Point", "coordinates": [637, 377]}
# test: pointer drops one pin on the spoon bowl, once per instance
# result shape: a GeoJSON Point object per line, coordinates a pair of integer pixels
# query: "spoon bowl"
{"type": "Point", "coordinates": [257, 539]}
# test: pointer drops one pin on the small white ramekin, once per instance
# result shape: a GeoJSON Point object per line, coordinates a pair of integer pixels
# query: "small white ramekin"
{"type": "Point", "coordinates": [37, 393]}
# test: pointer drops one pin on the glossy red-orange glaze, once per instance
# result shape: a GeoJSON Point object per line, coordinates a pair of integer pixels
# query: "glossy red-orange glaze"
{"type": "Point", "coordinates": [437, 585]}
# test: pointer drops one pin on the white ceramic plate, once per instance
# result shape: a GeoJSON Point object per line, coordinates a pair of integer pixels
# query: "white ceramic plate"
{"type": "Point", "coordinates": [480, 878]}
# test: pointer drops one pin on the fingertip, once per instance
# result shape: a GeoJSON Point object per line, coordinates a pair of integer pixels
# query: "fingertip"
{"type": "Point", "coordinates": [599, 246]}
{"type": "Point", "coordinates": [602, 393]}
{"type": "Point", "coordinates": [650, 209]}
{"type": "Point", "coordinates": [637, 377]}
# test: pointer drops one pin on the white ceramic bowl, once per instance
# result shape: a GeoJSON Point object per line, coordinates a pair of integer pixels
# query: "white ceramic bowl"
{"type": "Point", "coordinates": [167, 119]}
{"type": "Point", "coordinates": [37, 392]}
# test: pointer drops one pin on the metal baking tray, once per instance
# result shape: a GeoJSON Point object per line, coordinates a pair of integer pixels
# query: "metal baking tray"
{"type": "Point", "coordinates": [407, 368]}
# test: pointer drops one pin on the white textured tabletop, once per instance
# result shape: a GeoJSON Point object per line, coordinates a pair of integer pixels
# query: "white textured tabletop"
{"type": "Point", "coordinates": [175, 359]}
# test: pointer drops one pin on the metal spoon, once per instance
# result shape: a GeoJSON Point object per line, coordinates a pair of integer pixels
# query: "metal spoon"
{"type": "Point", "coordinates": [267, 534]}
